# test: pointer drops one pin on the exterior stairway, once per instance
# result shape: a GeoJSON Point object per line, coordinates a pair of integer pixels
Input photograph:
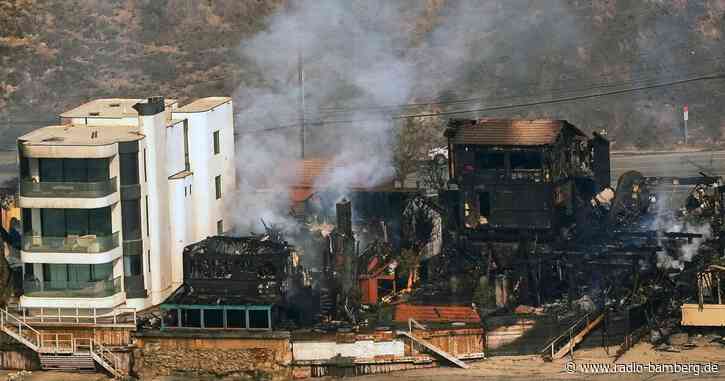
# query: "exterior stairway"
{"type": "Point", "coordinates": [449, 357]}
{"type": "Point", "coordinates": [70, 362]}
{"type": "Point", "coordinates": [61, 351]}
{"type": "Point", "coordinates": [560, 347]}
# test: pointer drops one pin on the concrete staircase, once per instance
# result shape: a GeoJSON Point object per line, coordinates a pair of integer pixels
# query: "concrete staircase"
{"type": "Point", "coordinates": [61, 351]}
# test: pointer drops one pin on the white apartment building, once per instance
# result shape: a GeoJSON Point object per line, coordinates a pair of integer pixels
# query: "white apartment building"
{"type": "Point", "coordinates": [112, 195]}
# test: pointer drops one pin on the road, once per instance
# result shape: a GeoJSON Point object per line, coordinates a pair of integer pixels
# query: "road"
{"type": "Point", "coordinates": [674, 164]}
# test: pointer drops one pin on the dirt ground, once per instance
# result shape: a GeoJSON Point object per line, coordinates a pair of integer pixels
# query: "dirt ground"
{"type": "Point", "coordinates": [519, 368]}
{"type": "Point", "coordinates": [530, 368]}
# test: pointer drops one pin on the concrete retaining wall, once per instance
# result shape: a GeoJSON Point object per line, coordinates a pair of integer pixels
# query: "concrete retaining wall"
{"type": "Point", "coordinates": [320, 350]}
{"type": "Point", "coordinates": [241, 354]}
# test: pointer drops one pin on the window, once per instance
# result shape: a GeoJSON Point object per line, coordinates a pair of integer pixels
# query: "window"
{"type": "Point", "coordinates": [216, 143]}
{"type": "Point", "coordinates": [213, 318]}
{"type": "Point", "coordinates": [147, 216]}
{"type": "Point", "coordinates": [64, 222]}
{"type": "Point", "coordinates": [218, 186]}
{"type": "Point", "coordinates": [24, 168]}
{"type": "Point", "coordinates": [525, 160]}
{"type": "Point", "coordinates": [187, 166]}
{"type": "Point", "coordinates": [490, 160]}
{"type": "Point", "coordinates": [220, 227]}
{"type": "Point", "coordinates": [129, 168]}
{"type": "Point", "coordinates": [236, 319]}
{"type": "Point", "coordinates": [132, 265]}
{"type": "Point", "coordinates": [259, 319]}
{"type": "Point", "coordinates": [51, 169]}
{"type": "Point", "coordinates": [148, 256]}
{"type": "Point", "coordinates": [73, 170]}
{"type": "Point", "coordinates": [61, 276]}
{"type": "Point", "coordinates": [484, 204]}
{"type": "Point", "coordinates": [131, 218]}
{"type": "Point", "coordinates": [145, 179]}
{"type": "Point", "coordinates": [191, 318]}
{"type": "Point", "coordinates": [27, 221]}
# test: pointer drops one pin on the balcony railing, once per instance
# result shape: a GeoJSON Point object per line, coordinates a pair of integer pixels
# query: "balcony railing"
{"type": "Point", "coordinates": [71, 244]}
{"type": "Point", "coordinates": [72, 289]}
{"type": "Point", "coordinates": [68, 189]}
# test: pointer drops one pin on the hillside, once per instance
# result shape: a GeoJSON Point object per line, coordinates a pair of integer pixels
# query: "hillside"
{"type": "Point", "coordinates": [55, 54]}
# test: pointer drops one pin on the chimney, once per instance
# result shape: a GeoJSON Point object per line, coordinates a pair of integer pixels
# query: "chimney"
{"type": "Point", "coordinates": [344, 217]}
{"type": "Point", "coordinates": [153, 106]}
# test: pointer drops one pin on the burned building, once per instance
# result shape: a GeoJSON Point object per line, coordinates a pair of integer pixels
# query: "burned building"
{"type": "Point", "coordinates": [515, 176]}
{"type": "Point", "coordinates": [235, 282]}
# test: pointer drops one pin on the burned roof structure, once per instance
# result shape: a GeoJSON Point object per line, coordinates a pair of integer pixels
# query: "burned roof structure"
{"type": "Point", "coordinates": [232, 279]}
{"type": "Point", "coordinates": [521, 174]}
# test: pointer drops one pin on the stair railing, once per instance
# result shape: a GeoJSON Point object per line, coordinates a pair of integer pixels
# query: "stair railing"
{"type": "Point", "coordinates": [569, 333]}
{"type": "Point", "coordinates": [106, 358]}
{"type": "Point", "coordinates": [18, 329]}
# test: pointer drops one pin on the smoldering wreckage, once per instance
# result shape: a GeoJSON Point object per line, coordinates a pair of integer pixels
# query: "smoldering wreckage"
{"type": "Point", "coordinates": [527, 230]}
{"type": "Point", "coordinates": [527, 224]}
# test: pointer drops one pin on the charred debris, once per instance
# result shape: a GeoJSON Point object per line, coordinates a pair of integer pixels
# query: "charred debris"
{"type": "Point", "coordinates": [528, 222]}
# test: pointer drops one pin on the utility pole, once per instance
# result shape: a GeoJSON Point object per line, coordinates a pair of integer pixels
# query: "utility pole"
{"type": "Point", "coordinates": [685, 115]}
{"type": "Point", "coordinates": [301, 85]}
{"type": "Point", "coordinates": [300, 82]}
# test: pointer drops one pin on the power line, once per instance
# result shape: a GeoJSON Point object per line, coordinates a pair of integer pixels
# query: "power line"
{"type": "Point", "coordinates": [574, 98]}
{"type": "Point", "coordinates": [590, 86]}
{"type": "Point", "coordinates": [714, 76]}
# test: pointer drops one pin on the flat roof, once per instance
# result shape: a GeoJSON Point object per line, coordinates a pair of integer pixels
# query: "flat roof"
{"type": "Point", "coordinates": [81, 135]}
{"type": "Point", "coordinates": [109, 108]}
{"type": "Point", "coordinates": [203, 104]}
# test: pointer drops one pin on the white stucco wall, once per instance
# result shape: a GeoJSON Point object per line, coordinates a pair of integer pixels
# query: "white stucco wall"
{"type": "Point", "coordinates": [205, 165]}
{"type": "Point", "coordinates": [323, 350]}
{"type": "Point", "coordinates": [154, 128]}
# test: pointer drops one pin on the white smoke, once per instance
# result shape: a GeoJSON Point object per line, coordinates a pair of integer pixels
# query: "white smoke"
{"type": "Point", "coordinates": [686, 252]}
{"type": "Point", "coordinates": [350, 58]}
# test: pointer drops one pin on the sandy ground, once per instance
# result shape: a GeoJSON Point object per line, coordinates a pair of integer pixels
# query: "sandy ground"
{"type": "Point", "coordinates": [517, 368]}
{"type": "Point", "coordinates": [530, 368]}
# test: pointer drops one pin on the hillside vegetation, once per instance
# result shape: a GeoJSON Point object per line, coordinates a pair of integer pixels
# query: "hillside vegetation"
{"type": "Point", "coordinates": [55, 54]}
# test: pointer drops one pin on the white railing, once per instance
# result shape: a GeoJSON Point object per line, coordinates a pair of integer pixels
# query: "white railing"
{"type": "Point", "coordinates": [125, 317]}
{"type": "Point", "coordinates": [20, 330]}
{"type": "Point", "coordinates": [106, 358]}
{"type": "Point", "coordinates": [56, 343]}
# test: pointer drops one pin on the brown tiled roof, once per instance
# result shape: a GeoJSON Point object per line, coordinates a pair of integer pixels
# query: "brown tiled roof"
{"type": "Point", "coordinates": [433, 313]}
{"type": "Point", "coordinates": [509, 132]}
{"type": "Point", "coordinates": [303, 177]}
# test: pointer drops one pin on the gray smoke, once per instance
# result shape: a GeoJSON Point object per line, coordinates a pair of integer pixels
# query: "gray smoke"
{"type": "Point", "coordinates": [351, 58]}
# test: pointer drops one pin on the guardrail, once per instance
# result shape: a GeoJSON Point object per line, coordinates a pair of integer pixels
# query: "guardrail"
{"type": "Point", "coordinates": [569, 334]}
{"type": "Point", "coordinates": [66, 289]}
{"type": "Point", "coordinates": [64, 189]}
{"type": "Point", "coordinates": [119, 316]}
{"type": "Point", "coordinates": [56, 343]}
{"type": "Point", "coordinates": [70, 244]}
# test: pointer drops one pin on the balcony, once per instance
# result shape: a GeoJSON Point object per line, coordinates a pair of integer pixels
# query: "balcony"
{"type": "Point", "coordinates": [88, 249]}
{"type": "Point", "coordinates": [68, 194]}
{"type": "Point", "coordinates": [72, 289]}
{"type": "Point", "coordinates": [68, 190]}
